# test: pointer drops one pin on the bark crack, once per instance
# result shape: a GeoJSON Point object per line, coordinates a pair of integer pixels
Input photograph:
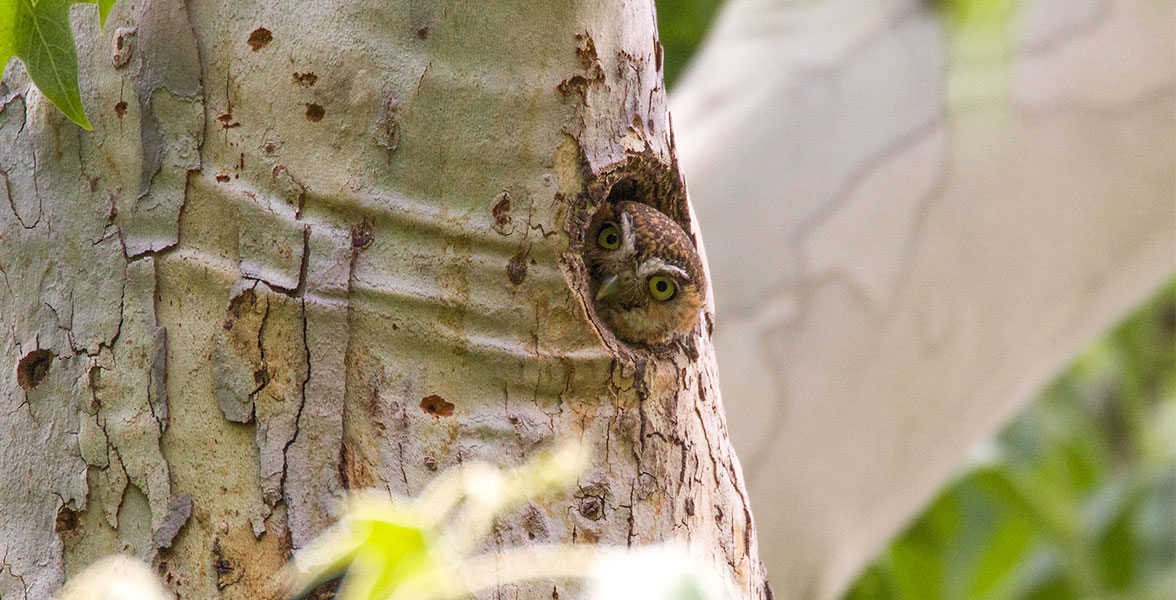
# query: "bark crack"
{"type": "Point", "coordinates": [12, 203]}
{"type": "Point", "coordinates": [4, 565]}
{"type": "Point", "coordinates": [300, 294]}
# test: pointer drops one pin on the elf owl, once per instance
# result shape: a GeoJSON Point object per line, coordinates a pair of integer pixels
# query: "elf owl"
{"type": "Point", "coordinates": [647, 278]}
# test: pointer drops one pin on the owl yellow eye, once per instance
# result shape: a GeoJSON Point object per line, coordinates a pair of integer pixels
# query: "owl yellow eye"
{"type": "Point", "coordinates": [609, 238]}
{"type": "Point", "coordinates": [662, 288]}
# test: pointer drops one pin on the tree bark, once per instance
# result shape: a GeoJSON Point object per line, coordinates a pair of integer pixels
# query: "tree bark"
{"type": "Point", "coordinates": [940, 217]}
{"type": "Point", "coordinates": [318, 246]}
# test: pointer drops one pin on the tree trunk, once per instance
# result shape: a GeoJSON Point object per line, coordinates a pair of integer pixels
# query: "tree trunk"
{"type": "Point", "coordinates": [316, 246]}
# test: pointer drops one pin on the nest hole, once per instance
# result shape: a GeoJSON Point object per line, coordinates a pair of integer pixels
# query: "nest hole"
{"type": "Point", "coordinates": [33, 368]}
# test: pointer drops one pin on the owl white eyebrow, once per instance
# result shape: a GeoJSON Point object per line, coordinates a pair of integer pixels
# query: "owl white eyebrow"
{"type": "Point", "coordinates": [628, 240]}
{"type": "Point", "coordinates": [657, 265]}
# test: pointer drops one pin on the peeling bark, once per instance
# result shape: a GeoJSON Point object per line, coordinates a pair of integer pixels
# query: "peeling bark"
{"type": "Point", "coordinates": [299, 255]}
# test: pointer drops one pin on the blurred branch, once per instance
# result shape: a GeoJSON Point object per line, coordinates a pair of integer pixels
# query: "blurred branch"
{"type": "Point", "coordinates": [910, 229]}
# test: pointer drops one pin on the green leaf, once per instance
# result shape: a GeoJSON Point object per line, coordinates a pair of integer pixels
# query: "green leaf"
{"type": "Point", "coordinates": [681, 26]}
{"type": "Point", "coordinates": [387, 544]}
{"type": "Point", "coordinates": [917, 571]}
{"type": "Point", "coordinates": [378, 545]}
{"type": "Point", "coordinates": [998, 559]}
{"type": "Point", "coordinates": [104, 11]}
{"type": "Point", "coordinates": [7, 31]}
{"type": "Point", "coordinates": [39, 34]}
{"type": "Point", "coordinates": [970, 13]}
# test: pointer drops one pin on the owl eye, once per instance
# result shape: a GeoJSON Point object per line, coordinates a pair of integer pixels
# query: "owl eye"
{"type": "Point", "coordinates": [662, 288]}
{"type": "Point", "coordinates": [609, 237]}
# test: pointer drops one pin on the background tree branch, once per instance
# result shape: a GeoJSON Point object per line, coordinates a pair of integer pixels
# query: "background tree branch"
{"type": "Point", "coordinates": [913, 223]}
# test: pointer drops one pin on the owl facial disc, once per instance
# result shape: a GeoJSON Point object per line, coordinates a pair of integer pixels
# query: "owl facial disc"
{"type": "Point", "coordinates": [648, 279]}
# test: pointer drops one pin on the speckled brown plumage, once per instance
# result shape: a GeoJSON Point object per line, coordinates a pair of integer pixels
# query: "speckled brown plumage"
{"type": "Point", "coordinates": [650, 245]}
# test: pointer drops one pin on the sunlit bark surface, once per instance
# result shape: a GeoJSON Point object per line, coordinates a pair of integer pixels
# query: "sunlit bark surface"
{"type": "Point", "coordinates": [315, 246]}
{"type": "Point", "coordinates": [911, 227]}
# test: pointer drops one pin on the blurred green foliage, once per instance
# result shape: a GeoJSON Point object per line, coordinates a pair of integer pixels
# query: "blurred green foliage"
{"type": "Point", "coordinates": [681, 25]}
{"type": "Point", "coordinates": [1077, 498]}
{"type": "Point", "coordinates": [970, 13]}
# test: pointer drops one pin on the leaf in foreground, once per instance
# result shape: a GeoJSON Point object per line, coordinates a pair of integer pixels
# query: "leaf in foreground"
{"type": "Point", "coordinates": [39, 34]}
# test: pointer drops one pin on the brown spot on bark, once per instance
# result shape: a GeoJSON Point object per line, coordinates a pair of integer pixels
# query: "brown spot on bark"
{"type": "Point", "coordinates": [587, 53]}
{"type": "Point", "coordinates": [226, 121]}
{"type": "Point", "coordinates": [124, 38]}
{"type": "Point", "coordinates": [248, 563]}
{"type": "Point", "coordinates": [592, 501]}
{"type": "Point", "coordinates": [576, 84]}
{"type": "Point", "coordinates": [592, 508]}
{"type": "Point", "coordinates": [516, 268]}
{"type": "Point", "coordinates": [242, 303]}
{"type": "Point", "coordinates": [388, 132]}
{"type": "Point", "coordinates": [501, 211]}
{"type": "Point", "coordinates": [33, 368]}
{"type": "Point", "coordinates": [222, 178]}
{"type": "Point", "coordinates": [67, 522]}
{"type": "Point", "coordinates": [227, 571]}
{"type": "Point", "coordinates": [325, 591]}
{"type": "Point", "coordinates": [689, 507]}
{"type": "Point", "coordinates": [314, 112]}
{"type": "Point", "coordinates": [430, 463]}
{"type": "Point", "coordinates": [95, 377]}
{"type": "Point", "coordinates": [260, 38]}
{"type": "Point", "coordinates": [362, 235]}
{"type": "Point", "coordinates": [535, 524]}
{"type": "Point", "coordinates": [120, 108]}
{"type": "Point", "coordinates": [422, 32]}
{"type": "Point", "coordinates": [306, 79]}
{"type": "Point", "coordinates": [437, 406]}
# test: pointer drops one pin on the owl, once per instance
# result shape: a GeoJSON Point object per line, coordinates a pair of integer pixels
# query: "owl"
{"type": "Point", "coordinates": [647, 279]}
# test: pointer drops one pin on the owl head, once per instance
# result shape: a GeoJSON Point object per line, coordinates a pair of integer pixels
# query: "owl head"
{"type": "Point", "coordinates": [648, 281]}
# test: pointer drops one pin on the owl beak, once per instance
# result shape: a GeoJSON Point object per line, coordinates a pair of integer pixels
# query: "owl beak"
{"type": "Point", "coordinates": [609, 287]}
